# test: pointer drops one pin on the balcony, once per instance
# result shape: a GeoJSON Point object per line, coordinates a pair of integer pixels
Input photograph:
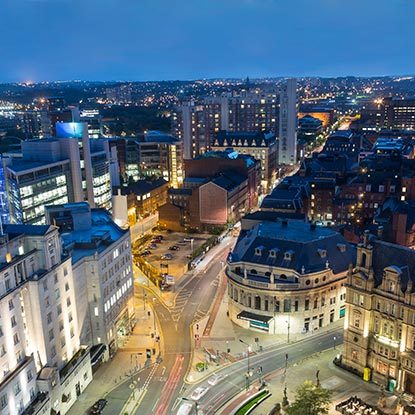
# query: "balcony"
{"type": "Point", "coordinates": [37, 404]}
{"type": "Point", "coordinates": [73, 363]}
{"type": "Point", "coordinates": [257, 281]}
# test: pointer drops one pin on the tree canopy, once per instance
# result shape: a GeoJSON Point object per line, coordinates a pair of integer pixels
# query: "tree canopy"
{"type": "Point", "coordinates": [310, 400]}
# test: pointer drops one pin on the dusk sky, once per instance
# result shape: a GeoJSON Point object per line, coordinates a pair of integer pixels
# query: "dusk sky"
{"type": "Point", "coordinates": [191, 39]}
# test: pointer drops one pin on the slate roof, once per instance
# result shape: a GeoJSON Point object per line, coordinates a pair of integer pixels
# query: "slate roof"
{"type": "Point", "coordinates": [306, 244]}
{"type": "Point", "coordinates": [386, 254]}
{"type": "Point", "coordinates": [142, 187]}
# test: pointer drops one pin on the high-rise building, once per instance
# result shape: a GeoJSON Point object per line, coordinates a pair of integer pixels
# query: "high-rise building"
{"type": "Point", "coordinates": [155, 154]}
{"type": "Point", "coordinates": [198, 124]}
{"type": "Point", "coordinates": [101, 251]}
{"type": "Point", "coordinates": [288, 123]}
{"type": "Point", "coordinates": [44, 365]}
{"type": "Point", "coordinates": [70, 168]}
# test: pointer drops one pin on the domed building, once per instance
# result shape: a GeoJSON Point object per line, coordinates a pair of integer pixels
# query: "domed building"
{"type": "Point", "coordinates": [287, 277]}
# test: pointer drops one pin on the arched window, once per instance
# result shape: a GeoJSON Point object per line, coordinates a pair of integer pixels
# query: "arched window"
{"type": "Point", "coordinates": [253, 272]}
{"type": "Point", "coordinates": [258, 302]}
{"type": "Point", "coordinates": [364, 260]}
{"type": "Point", "coordinates": [249, 302]}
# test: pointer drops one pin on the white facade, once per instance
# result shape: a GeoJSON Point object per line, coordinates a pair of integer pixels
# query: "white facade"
{"type": "Point", "coordinates": [288, 123]}
{"type": "Point", "coordinates": [103, 275]}
{"type": "Point", "coordinates": [39, 322]}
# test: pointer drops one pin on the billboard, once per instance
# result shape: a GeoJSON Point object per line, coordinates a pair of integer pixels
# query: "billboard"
{"type": "Point", "coordinates": [70, 129]}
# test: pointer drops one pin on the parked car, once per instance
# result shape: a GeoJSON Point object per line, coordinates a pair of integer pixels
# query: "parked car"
{"type": "Point", "coordinates": [145, 253]}
{"type": "Point", "coordinates": [174, 248]}
{"type": "Point", "coordinates": [198, 393]}
{"type": "Point", "coordinates": [185, 409]}
{"type": "Point", "coordinates": [98, 407]}
{"type": "Point", "coordinates": [159, 237]}
{"type": "Point", "coordinates": [167, 257]}
{"type": "Point", "coordinates": [152, 246]}
{"type": "Point", "coordinates": [156, 241]}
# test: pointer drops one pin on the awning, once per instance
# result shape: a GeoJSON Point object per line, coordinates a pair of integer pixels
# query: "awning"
{"type": "Point", "coordinates": [246, 315]}
{"type": "Point", "coordinates": [97, 352]}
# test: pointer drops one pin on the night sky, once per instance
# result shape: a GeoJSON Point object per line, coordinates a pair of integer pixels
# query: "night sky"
{"type": "Point", "coordinates": [191, 39]}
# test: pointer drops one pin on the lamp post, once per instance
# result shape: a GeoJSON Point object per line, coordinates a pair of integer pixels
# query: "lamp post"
{"type": "Point", "coordinates": [288, 329]}
{"type": "Point", "coordinates": [334, 343]}
{"type": "Point", "coordinates": [248, 348]}
{"type": "Point", "coordinates": [196, 404]}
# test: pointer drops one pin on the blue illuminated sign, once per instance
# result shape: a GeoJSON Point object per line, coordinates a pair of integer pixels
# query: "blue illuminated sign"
{"type": "Point", "coordinates": [69, 129]}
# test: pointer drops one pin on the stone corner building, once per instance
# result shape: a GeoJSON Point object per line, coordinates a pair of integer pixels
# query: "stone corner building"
{"type": "Point", "coordinates": [380, 315]}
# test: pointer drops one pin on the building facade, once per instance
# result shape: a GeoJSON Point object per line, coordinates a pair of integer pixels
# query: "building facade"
{"type": "Point", "coordinates": [44, 365]}
{"type": "Point", "coordinates": [70, 168]}
{"type": "Point", "coordinates": [287, 277]}
{"type": "Point", "coordinates": [288, 123]}
{"type": "Point", "coordinates": [262, 146]}
{"type": "Point", "coordinates": [380, 315]}
{"type": "Point", "coordinates": [102, 251]}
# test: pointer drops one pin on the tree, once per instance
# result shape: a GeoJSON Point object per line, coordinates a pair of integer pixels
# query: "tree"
{"type": "Point", "coordinates": [310, 400]}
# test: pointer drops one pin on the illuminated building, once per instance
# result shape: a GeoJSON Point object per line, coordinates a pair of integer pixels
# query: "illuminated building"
{"type": "Point", "coordinates": [263, 146]}
{"type": "Point", "coordinates": [287, 277]}
{"type": "Point", "coordinates": [138, 200]}
{"type": "Point", "coordinates": [153, 154]}
{"type": "Point", "coordinates": [287, 133]}
{"type": "Point", "coordinates": [219, 188]}
{"type": "Point", "coordinates": [325, 115]}
{"type": "Point", "coordinates": [103, 275]}
{"type": "Point", "coordinates": [380, 315]}
{"type": "Point", "coordinates": [197, 124]}
{"type": "Point", "coordinates": [44, 365]}
{"type": "Point", "coordinates": [70, 168]}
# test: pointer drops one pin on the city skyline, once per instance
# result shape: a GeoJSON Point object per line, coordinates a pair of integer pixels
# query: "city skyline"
{"type": "Point", "coordinates": [199, 40]}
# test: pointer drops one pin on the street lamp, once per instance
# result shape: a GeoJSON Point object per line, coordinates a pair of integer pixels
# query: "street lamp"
{"type": "Point", "coordinates": [196, 404]}
{"type": "Point", "coordinates": [334, 343]}
{"type": "Point", "coordinates": [249, 367]}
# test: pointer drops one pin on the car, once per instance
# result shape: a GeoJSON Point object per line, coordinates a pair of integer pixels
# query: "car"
{"type": "Point", "coordinates": [152, 246]}
{"type": "Point", "coordinates": [216, 378]}
{"type": "Point", "coordinates": [167, 257]}
{"type": "Point", "coordinates": [98, 407]}
{"type": "Point", "coordinates": [174, 248]}
{"type": "Point", "coordinates": [156, 241]}
{"type": "Point", "coordinates": [185, 409]}
{"type": "Point", "coordinates": [145, 253]}
{"type": "Point", "coordinates": [199, 393]}
{"type": "Point", "coordinates": [159, 237]}
{"type": "Point", "coordinates": [188, 239]}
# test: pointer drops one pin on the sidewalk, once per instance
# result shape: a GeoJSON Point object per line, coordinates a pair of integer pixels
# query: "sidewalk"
{"type": "Point", "coordinates": [128, 360]}
{"type": "Point", "coordinates": [342, 383]}
{"type": "Point", "coordinates": [222, 337]}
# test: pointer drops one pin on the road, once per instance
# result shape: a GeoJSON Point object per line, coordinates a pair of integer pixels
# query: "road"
{"type": "Point", "coordinates": [192, 302]}
{"type": "Point", "coordinates": [270, 360]}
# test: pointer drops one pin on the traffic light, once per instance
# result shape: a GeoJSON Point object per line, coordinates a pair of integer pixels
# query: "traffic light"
{"type": "Point", "coordinates": [148, 353]}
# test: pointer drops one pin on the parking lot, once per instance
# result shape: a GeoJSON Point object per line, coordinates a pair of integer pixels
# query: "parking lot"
{"type": "Point", "coordinates": [177, 265]}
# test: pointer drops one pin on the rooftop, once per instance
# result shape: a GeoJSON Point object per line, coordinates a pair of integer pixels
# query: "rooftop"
{"type": "Point", "coordinates": [310, 248]}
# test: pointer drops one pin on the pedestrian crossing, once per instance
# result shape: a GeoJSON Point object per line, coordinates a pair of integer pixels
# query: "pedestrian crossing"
{"type": "Point", "coordinates": [180, 303]}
